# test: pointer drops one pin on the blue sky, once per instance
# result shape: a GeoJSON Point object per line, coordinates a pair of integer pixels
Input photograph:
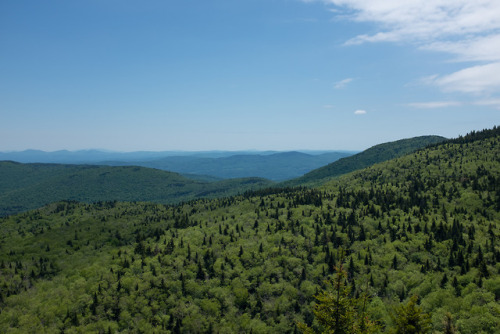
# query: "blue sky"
{"type": "Point", "coordinates": [244, 74]}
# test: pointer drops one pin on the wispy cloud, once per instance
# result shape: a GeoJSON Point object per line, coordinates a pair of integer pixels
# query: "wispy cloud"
{"type": "Point", "coordinates": [360, 112]}
{"type": "Point", "coordinates": [489, 102]}
{"type": "Point", "coordinates": [476, 79]}
{"type": "Point", "coordinates": [342, 83]}
{"type": "Point", "coordinates": [495, 102]}
{"type": "Point", "coordinates": [421, 21]}
{"type": "Point", "coordinates": [469, 30]}
{"type": "Point", "coordinates": [434, 104]}
{"type": "Point", "coordinates": [479, 48]}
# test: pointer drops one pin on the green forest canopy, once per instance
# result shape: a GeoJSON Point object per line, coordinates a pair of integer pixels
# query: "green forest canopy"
{"type": "Point", "coordinates": [425, 225]}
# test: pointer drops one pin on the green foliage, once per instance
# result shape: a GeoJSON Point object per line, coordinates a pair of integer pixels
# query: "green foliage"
{"type": "Point", "coordinates": [254, 262]}
{"type": "Point", "coordinates": [371, 156]}
{"type": "Point", "coordinates": [337, 311]}
{"type": "Point", "coordinates": [449, 327]}
{"type": "Point", "coordinates": [410, 319]}
{"type": "Point", "coordinates": [29, 186]}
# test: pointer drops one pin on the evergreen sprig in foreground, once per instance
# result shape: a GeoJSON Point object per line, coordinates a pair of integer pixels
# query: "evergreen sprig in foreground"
{"type": "Point", "coordinates": [420, 234]}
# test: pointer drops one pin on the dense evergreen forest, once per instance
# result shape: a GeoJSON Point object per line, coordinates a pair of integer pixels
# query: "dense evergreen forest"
{"type": "Point", "coordinates": [376, 154]}
{"type": "Point", "coordinates": [419, 234]}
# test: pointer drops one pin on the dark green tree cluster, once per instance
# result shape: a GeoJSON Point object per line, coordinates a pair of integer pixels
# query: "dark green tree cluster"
{"type": "Point", "coordinates": [422, 225]}
{"type": "Point", "coordinates": [338, 311]}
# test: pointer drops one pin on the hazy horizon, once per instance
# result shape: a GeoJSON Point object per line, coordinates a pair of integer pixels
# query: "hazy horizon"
{"type": "Point", "coordinates": [230, 75]}
{"type": "Point", "coordinates": [180, 151]}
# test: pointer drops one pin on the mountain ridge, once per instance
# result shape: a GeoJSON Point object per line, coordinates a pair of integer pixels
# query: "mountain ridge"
{"type": "Point", "coordinates": [37, 184]}
{"type": "Point", "coordinates": [375, 154]}
{"type": "Point", "coordinates": [276, 166]}
{"type": "Point", "coordinates": [28, 186]}
{"type": "Point", "coordinates": [422, 226]}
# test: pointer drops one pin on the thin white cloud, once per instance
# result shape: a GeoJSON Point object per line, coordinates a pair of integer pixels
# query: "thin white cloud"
{"type": "Point", "coordinates": [481, 48]}
{"type": "Point", "coordinates": [476, 79]}
{"type": "Point", "coordinates": [494, 102]}
{"type": "Point", "coordinates": [342, 83]}
{"type": "Point", "coordinates": [468, 30]}
{"type": "Point", "coordinates": [421, 20]}
{"type": "Point", "coordinates": [434, 104]}
{"type": "Point", "coordinates": [360, 112]}
{"type": "Point", "coordinates": [328, 106]}
{"type": "Point", "coordinates": [489, 102]}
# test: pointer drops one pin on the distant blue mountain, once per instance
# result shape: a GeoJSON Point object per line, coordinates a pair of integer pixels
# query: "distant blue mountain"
{"type": "Point", "coordinates": [271, 165]}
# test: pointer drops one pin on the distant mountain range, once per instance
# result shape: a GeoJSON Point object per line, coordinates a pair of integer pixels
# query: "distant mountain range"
{"type": "Point", "coordinates": [276, 166]}
{"type": "Point", "coordinates": [409, 241]}
{"type": "Point", "coordinates": [29, 186]}
{"type": "Point", "coordinates": [94, 156]}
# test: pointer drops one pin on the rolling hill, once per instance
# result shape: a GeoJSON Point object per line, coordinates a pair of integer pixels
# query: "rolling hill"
{"type": "Point", "coordinates": [419, 228]}
{"type": "Point", "coordinates": [371, 156]}
{"type": "Point", "coordinates": [29, 186]}
{"type": "Point", "coordinates": [277, 166]}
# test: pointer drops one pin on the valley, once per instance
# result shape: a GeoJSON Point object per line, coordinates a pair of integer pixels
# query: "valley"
{"type": "Point", "coordinates": [423, 224]}
{"type": "Point", "coordinates": [27, 186]}
{"type": "Point", "coordinates": [276, 166]}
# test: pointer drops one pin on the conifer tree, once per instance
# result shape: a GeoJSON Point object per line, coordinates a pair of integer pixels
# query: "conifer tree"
{"type": "Point", "coordinates": [410, 319]}
{"type": "Point", "coordinates": [449, 328]}
{"type": "Point", "coordinates": [337, 311]}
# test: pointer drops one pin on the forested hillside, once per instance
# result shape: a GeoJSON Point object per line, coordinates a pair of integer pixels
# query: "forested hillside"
{"type": "Point", "coordinates": [423, 228]}
{"type": "Point", "coordinates": [371, 156]}
{"type": "Point", "coordinates": [29, 186]}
